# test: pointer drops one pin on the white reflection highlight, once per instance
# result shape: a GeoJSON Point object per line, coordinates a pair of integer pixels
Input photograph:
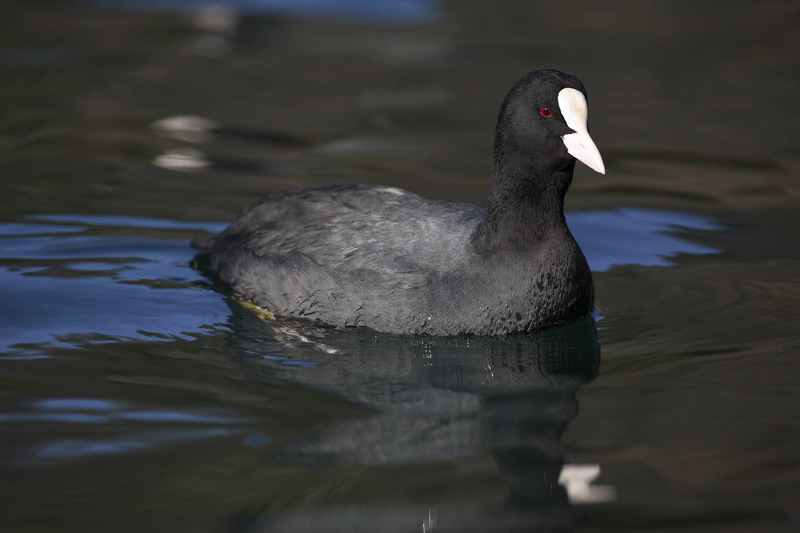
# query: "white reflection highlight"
{"type": "Point", "coordinates": [576, 480]}
{"type": "Point", "coordinates": [429, 524]}
{"type": "Point", "coordinates": [182, 160]}
{"type": "Point", "coordinates": [189, 128]}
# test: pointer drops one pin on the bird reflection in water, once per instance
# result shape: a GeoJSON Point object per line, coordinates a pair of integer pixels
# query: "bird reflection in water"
{"type": "Point", "coordinates": [434, 398]}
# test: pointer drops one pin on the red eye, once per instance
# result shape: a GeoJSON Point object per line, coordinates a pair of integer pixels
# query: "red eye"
{"type": "Point", "coordinates": [545, 112]}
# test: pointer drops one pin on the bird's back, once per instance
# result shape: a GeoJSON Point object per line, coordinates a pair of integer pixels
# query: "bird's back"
{"type": "Point", "coordinates": [346, 255]}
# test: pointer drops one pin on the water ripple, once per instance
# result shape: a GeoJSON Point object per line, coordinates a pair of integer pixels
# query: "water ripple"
{"type": "Point", "coordinates": [73, 288]}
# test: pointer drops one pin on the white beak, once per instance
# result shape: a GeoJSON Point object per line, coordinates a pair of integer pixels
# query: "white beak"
{"type": "Point", "coordinates": [579, 145]}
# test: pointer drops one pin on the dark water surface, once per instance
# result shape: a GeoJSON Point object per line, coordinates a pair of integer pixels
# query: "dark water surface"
{"type": "Point", "coordinates": [135, 396]}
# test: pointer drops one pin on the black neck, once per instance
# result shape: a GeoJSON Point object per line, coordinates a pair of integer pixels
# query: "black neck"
{"type": "Point", "coordinates": [526, 203]}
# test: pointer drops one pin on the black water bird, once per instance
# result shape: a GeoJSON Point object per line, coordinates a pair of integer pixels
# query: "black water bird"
{"type": "Point", "coordinates": [393, 261]}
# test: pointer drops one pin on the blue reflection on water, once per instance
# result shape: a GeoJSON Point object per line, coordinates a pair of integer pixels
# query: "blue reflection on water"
{"type": "Point", "coordinates": [172, 417]}
{"type": "Point", "coordinates": [126, 428]}
{"type": "Point", "coordinates": [77, 448]}
{"type": "Point", "coordinates": [289, 362]}
{"type": "Point", "coordinates": [74, 448]}
{"type": "Point", "coordinates": [63, 418]}
{"type": "Point", "coordinates": [385, 11]}
{"type": "Point", "coordinates": [51, 309]}
{"type": "Point", "coordinates": [632, 236]}
{"type": "Point", "coordinates": [65, 288]}
{"type": "Point", "coordinates": [11, 228]}
{"type": "Point", "coordinates": [101, 411]}
{"type": "Point", "coordinates": [124, 221]}
{"type": "Point", "coordinates": [78, 404]}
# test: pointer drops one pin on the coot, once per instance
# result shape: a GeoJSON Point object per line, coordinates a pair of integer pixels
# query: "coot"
{"type": "Point", "coordinates": [393, 261]}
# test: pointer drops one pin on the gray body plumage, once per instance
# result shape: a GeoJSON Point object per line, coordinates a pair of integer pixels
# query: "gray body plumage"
{"type": "Point", "coordinates": [393, 261]}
